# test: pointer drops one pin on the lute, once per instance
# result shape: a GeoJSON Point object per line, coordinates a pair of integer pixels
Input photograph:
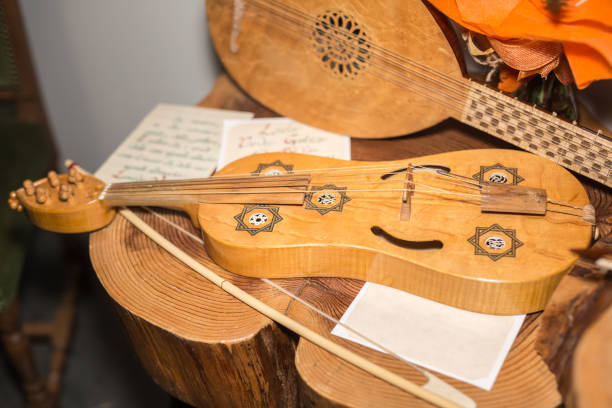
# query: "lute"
{"type": "Point", "coordinates": [378, 69]}
{"type": "Point", "coordinates": [485, 230]}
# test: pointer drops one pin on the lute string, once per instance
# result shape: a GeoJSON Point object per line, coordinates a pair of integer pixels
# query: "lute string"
{"type": "Point", "coordinates": [587, 134]}
{"type": "Point", "coordinates": [442, 77]}
{"type": "Point", "coordinates": [596, 155]}
{"type": "Point", "coordinates": [374, 46]}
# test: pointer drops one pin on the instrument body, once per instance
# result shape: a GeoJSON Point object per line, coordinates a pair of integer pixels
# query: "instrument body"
{"type": "Point", "coordinates": [469, 275]}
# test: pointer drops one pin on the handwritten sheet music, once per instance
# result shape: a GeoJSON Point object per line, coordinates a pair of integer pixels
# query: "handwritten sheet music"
{"type": "Point", "coordinates": [171, 142]}
{"type": "Point", "coordinates": [245, 137]}
{"type": "Point", "coordinates": [464, 345]}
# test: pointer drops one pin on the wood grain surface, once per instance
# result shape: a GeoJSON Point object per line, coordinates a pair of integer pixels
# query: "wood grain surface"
{"type": "Point", "coordinates": [593, 365]}
{"type": "Point", "coordinates": [207, 349]}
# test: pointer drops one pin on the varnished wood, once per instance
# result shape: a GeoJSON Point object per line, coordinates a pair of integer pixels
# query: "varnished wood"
{"type": "Point", "coordinates": [75, 203]}
{"type": "Point", "coordinates": [79, 211]}
{"type": "Point", "coordinates": [306, 243]}
{"type": "Point", "coordinates": [284, 72]}
{"type": "Point", "coordinates": [405, 77]}
{"type": "Point", "coordinates": [518, 200]}
{"type": "Point", "coordinates": [539, 132]}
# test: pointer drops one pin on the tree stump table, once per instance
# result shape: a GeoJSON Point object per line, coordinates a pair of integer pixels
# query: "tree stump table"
{"type": "Point", "coordinates": [208, 349]}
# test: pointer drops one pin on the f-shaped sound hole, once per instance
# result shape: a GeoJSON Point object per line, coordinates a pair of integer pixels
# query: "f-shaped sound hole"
{"type": "Point", "coordinates": [402, 170]}
{"type": "Point", "coordinates": [403, 243]}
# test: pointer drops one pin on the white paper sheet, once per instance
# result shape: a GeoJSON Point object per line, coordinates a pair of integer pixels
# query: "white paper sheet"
{"type": "Point", "coordinates": [464, 345]}
{"type": "Point", "coordinates": [245, 137]}
{"type": "Point", "coordinates": [171, 142]}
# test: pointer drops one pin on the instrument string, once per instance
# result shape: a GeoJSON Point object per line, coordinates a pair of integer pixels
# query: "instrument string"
{"type": "Point", "coordinates": [181, 197]}
{"type": "Point", "coordinates": [146, 190]}
{"type": "Point", "coordinates": [452, 103]}
{"type": "Point", "coordinates": [322, 179]}
{"type": "Point", "coordinates": [198, 239]}
{"type": "Point", "coordinates": [194, 187]}
{"type": "Point", "coordinates": [386, 167]}
{"type": "Point", "coordinates": [351, 36]}
{"type": "Point", "coordinates": [599, 155]}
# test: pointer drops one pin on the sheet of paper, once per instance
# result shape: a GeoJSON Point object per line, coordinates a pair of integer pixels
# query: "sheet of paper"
{"type": "Point", "coordinates": [464, 345]}
{"type": "Point", "coordinates": [245, 137]}
{"type": "Point", "coordinates": [171, 142]}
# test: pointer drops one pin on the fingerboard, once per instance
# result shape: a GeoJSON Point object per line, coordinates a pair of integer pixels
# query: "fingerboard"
{"type": "Point", "coordinates": [282, 189]}
{"type": "Point", "coordinates": [531, 129]}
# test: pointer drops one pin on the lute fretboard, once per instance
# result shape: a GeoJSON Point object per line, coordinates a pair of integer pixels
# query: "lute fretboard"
{"type": "Point", "coordinates": [531, 129]}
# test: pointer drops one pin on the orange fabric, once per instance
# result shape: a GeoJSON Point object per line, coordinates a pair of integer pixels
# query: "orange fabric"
{"type": "Point", "coordinates": [583, 27]}
{"type": "Point", "coordinates": [529, 55]}
{"type": "Point", "coordinates": [508, 80]}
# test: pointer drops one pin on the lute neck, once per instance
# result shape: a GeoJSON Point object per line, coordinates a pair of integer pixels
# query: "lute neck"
{"type": "Point", "coordinates": [531, 129]}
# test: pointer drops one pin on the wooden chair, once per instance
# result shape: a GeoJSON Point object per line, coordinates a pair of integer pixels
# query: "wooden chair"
{"type": "Point", "coordinates": [26, 151]}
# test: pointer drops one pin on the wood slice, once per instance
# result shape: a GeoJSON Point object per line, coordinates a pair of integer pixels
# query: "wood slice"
{"type": "Point", "coordinates": [196, 341]}
{"type": "Point", "coordinates": [593, 366]}
{"type": "Point", "coordinates": [327, 381]}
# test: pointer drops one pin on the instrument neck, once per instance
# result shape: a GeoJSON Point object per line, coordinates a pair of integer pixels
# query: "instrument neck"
{"type": "Point", "coordinates": [536, 131]}
{"type": "Point", "coordinates": [282, 189]}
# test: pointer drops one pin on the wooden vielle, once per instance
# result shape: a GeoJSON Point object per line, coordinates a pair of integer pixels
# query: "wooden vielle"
{"type": "Point", "coordinates": [208, 349]}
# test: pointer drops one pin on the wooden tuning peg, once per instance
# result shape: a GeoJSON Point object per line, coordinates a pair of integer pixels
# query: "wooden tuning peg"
{"type": "Point", "coordinates": [53, 179]}
{"type": "Point", "coordinates": [13, 202]}
{"type": "Point", "coordinates": [74, 175]}
{"type": "Point", "coordinates": [28, 186]}
{"type": "Point", "coordinates": [64, 192]}
{"type": "Point", "coordinates": [41, 195]}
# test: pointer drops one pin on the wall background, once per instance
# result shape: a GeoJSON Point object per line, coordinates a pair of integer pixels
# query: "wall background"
{"type": "Point", "coordinates": [102, 65]}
